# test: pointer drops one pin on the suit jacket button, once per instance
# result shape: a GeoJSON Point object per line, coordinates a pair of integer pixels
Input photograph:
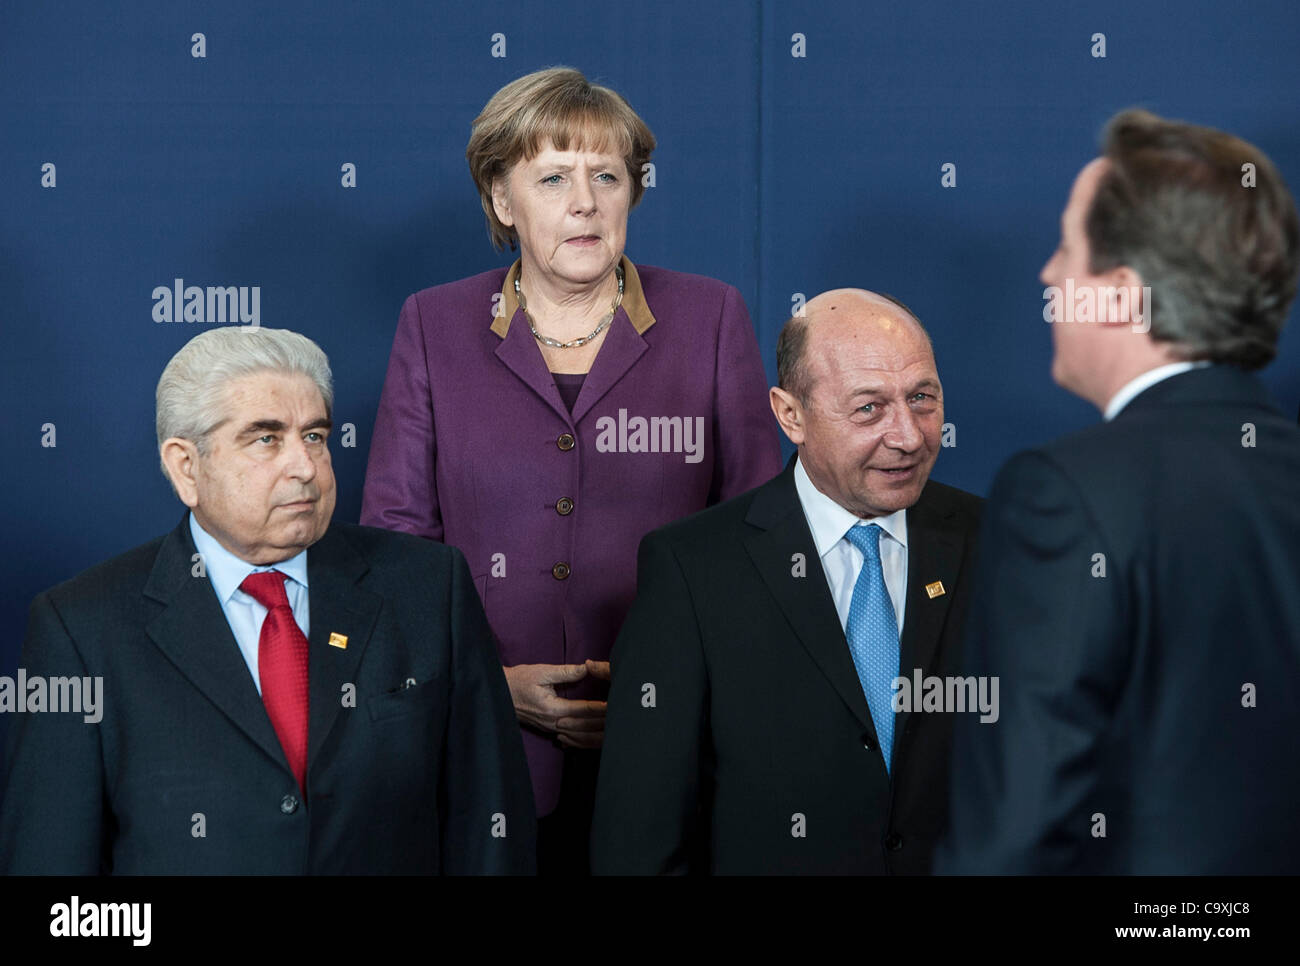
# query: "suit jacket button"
{"type": "Point", "coordinates": [868, 742]}
{"type": "Point", "coordinates": [894, 842]}
{"type": "Point", "coordinates": [565, 442]}
{"type": "Point", "coordinates": [289, 804]}
{"type": "Point", "coordinates": [560, 570]}
{"type": "Point", "coordinates": [564, 506]}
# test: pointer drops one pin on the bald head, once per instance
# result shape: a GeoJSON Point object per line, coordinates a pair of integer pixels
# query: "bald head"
{"type": "Point", "coordinates": [860, 397]}
{"type": "Point", "coordinates": [842, 313]}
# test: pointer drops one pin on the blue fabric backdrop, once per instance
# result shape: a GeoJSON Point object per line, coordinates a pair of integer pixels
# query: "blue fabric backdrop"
{"type": "Point", "coordinates": [781, 174]}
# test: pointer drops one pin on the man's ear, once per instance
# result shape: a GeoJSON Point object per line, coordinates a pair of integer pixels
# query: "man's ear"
{"type": "Point", "coordinates": [1126, 302]}
{"type": "Point", "coordinates": [788, 412]}
{"type": "Point", "coordinates": [501, 201]}
{"type": "Point", "coordinates": [180, 458]}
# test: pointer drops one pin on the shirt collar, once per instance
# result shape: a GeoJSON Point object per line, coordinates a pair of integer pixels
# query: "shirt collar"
{"type": "Point", "coordinates": [227, 572]}
{"type": "Point", "coordinates": [634, 303]}
{"type": "Point", "coordinates": [829, 521]}
{"type": "Point", "coordinates": [1134, 387]}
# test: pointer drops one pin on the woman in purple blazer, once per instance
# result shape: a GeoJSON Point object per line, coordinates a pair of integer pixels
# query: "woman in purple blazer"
{"type": "Point", "coordinates": [544, 418]}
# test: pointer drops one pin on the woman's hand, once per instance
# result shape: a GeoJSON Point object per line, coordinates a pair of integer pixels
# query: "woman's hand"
{"type": "Point", "coordinates": [579, 724]}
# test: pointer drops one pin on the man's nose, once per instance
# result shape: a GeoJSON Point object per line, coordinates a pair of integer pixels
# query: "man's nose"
{"type": "Point", "coordinates": [299, 462]}
{"type": "Point", "coordinates": [1047, 272]}
{"type": "Point", "coordinates": [904, 433]}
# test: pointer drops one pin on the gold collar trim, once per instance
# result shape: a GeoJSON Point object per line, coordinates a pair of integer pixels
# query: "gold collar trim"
{"type": "Point", "coordinates": [634, 303]}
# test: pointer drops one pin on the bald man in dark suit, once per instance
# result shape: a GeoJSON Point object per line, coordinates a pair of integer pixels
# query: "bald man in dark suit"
{"type": "Point", "coordinates": [751, 726]}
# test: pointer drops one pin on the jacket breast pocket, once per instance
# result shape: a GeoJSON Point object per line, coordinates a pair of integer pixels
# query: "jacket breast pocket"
{"type": "Point", "coordinates": [407, 699]}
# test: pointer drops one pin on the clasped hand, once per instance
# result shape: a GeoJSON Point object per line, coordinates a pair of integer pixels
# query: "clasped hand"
{"type": "Point", "coordinates": [577, 723]}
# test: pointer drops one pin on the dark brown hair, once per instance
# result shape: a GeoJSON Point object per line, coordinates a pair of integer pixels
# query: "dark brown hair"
{"type": "Point", "coordinates": [1177, 205]}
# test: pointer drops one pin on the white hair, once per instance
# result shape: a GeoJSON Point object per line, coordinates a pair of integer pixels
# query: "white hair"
{"type": "Point", "coordinates": [191, 391]}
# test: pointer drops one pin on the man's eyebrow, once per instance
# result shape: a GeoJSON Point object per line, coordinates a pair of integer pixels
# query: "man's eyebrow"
{"type": "Point", "coordinates": [876, 389]}
{"type": "Point", "coordinates": [870, 389]}
{"type": "Point", "coordinates": [259, 426]}
{"type": "Point", "coordinates": [262, 426]}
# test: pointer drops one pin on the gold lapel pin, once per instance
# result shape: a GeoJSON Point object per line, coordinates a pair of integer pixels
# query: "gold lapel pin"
{"type": "Point", "coordinates": [934, 590]}
{"type": "Point", "coordinates": [341, 640]}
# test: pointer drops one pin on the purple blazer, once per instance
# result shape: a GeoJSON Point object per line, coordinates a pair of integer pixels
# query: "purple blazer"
{"type": "Point", "coordinates": [473, 446]}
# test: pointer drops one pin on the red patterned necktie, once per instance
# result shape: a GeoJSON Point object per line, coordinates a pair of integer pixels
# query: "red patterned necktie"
{"type": "Point", "coordinates": [282, 667]}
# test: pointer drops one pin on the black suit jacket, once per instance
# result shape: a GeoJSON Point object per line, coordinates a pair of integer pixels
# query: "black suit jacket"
{"type": "Point", "coordinates": [1125, 696]}
{"type": "Point", "coordinates": [759, 729]}
{"type": "Point", "coordinates": [405, 779]}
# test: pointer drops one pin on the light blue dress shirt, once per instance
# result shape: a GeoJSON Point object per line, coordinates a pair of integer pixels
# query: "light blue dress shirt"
{"type": "Point", "coordinates": [841, 560]}
{"type": "Point", "coordinates": [243, 613]}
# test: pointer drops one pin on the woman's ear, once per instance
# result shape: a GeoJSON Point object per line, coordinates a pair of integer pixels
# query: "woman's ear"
{"type": "Point", "coordinates": [501, 200]}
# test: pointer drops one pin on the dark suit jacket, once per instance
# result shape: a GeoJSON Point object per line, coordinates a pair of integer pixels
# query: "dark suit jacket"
{"type": "Point", "coordinates": [406, 781]}
{"type": "Point", "coordinates": [758, 715]}
{"type": "Point", "coordinates": [1122, 695]}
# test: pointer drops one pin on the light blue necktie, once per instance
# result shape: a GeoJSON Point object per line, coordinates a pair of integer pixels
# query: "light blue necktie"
{"type": "Point", "coordinates": [872, 632]}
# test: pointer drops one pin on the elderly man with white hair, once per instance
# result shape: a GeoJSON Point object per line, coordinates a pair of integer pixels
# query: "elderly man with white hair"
{"type": "Point", "coordinates": [280, 693]}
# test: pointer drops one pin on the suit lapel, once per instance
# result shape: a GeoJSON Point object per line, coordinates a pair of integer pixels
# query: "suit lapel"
{"type": "Point", "coordinates": [934, 551]}
{"type": "Point", "coordinates": [518, 350]}
{"type": "Point", "coordinates": [782, 531]}
{"type": "Point", "coordinates": [338, 606]}
{"type": "Point", "coordinates": [623, 346]}
{"type": "Point", "coordinates": [193, 633]}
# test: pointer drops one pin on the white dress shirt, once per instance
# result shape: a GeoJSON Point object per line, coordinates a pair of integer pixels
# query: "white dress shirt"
{"type": "Point", "coordinates": [243, 613]}
{"type": "Point", "coordinates": [1143, 382]}
{"type": "Point", "coordinates": [841, 560]}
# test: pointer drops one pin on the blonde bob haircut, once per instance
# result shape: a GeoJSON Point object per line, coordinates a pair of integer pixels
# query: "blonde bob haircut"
{"type": "Point", "coordinates": [557, 105]}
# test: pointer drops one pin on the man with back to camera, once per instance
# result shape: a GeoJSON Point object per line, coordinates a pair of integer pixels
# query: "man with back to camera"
{"type": "Point", "coordinates": [281, 694]}
{"type": "Point", "coordinates": [750, 725]}
{"type": "Point", "coordinates": [1136, 585]}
